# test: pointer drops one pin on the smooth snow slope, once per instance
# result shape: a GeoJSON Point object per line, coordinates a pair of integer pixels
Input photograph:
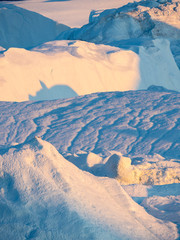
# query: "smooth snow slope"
{"type": "Point", "coordinates": [43, 196]}
{"type": "Point", "coordinates": [79, 66]}
{"type": "Point", "coordinates": [135, 123]}
{"type": "Point", "coordinates": [25, 29]}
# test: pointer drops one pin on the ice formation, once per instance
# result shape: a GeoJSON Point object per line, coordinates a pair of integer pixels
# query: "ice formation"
{"type": "Point", "coordinates": [149, 173]}
{"type": "Point", "coordinates": [44, 196]}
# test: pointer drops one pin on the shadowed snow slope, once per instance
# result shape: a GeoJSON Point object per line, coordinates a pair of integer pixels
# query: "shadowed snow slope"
{"type": "Point", "coordinates": [68, 68]}
{"type": "Point", "coordinates": [134, 123]}
{"type": "Point", "coordinates": [26, 29]}
{"type": "Point", "coordinates": [43, 196]}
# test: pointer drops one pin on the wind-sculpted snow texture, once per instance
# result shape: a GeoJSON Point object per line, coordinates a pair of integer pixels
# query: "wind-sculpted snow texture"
{"type": "Point", "coordinates": [135, 123]}
{"type": "Point", "coordinates": [43, 196]}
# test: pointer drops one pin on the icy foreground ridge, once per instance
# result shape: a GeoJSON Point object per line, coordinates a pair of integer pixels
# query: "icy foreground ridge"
{"type": "Point", "coordinates": [43, 196]}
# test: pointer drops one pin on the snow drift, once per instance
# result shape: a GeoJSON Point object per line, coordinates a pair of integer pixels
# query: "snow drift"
{"type": "Point", "coordinates": [25, 29]}
{"type": "Point", "coordinates": [62, 69]}
{"type": "Point", "coordinates": [82, 67]}
{"type": "Point", "coordinates": [41, 198]}
{"type": "Point", "coordinates": [150, 170]}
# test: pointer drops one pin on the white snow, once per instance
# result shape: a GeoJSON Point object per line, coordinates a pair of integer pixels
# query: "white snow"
{"type": "Point", "coordinates": [93, 159]}
{"type": "Point", "coordinates": [158, 67]}
{"type": "Point", "coordinates": [45, 196]}
{"type": "Point", "coordinates": [149, 173]}
{"type": "Point", "coordinates": [62, 69]}
{"type": "Point", "coordinates": [133, 25]}
{"type": "Point", "coordinates": [79, 67]}
{"type": "Point", "coordinates": [116, 171]}
{"type": "Point", "coordinates": [161, 201]}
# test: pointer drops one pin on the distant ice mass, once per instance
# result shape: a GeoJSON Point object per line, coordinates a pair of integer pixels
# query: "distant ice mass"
{"type": "Point", "coordinates": [133, 25]}
{"type": "Point", "coordinates": [121, 49]}
{"type": "Point", "coordinates": [25, 29]}
{"type": "Point", "coordinates": [147, 19]}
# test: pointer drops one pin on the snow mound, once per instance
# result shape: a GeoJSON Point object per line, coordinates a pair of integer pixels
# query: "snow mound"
{"type": "Point", "coordinates": [64, 69]}
{"type": "Point", "coordinates": [26, 29]}
{"type": "Point", "coordinates": [93, 159]}
{"type": "Point", "coordinates": [152, 19]}
{"type": "Point", "coordinates": [154, 173]}
{"type": "Point", "coordinates": [161, 201]}
{"type": "Point", "coordinates": [43, 196]}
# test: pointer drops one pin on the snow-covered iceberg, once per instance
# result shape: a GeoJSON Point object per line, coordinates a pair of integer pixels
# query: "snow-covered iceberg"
{"type": "Point", "coordinates": [133, 25]}
{"type": "Point", "coordinates": [82, 67]}
{"type": "Point", "coordinates": [147, 19]}
{"type": "Point", "coordinates": [62, 69]}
